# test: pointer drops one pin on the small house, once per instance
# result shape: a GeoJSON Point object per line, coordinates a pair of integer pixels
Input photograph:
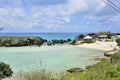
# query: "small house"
{"type": "Point", "coordinates": [88, 37]}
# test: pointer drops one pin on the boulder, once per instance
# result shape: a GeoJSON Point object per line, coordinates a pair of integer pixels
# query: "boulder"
{"type": "Point", "coordinates": [75, 70]}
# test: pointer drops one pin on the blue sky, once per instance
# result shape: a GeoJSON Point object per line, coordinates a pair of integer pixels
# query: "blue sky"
{"type": "Point", "coordinates": [58, 16]}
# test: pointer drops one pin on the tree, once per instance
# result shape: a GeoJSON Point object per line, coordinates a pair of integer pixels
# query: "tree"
{"type": "Point", "coordinates": [5, 70]}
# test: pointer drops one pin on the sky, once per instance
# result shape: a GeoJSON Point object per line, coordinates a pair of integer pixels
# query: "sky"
{"type": "Point", "coordinates": [58, 16]}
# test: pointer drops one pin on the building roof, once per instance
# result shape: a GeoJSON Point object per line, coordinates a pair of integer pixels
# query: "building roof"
{"type": "Point", "coordinates": [88, 37]}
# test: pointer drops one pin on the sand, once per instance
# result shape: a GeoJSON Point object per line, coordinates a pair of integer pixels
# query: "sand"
{"type": "Point", "coordinates": [105, 46]}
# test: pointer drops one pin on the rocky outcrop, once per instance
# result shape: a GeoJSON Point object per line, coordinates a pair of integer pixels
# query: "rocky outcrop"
{"type": "Point", "coordinates": [13, 41]}
{"type": "Point", "coordinates": [55, 41]}
{"type": "Point", "coordinates": [109, 53]}
{"type": "Point", "coordinates": [75, 70]}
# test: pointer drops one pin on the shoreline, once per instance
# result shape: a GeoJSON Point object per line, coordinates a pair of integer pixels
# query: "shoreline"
{"type": "Point", "coordinates": [104, 46]}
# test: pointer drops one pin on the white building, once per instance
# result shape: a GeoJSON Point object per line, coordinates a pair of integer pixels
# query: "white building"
{"type": "Point", "coordinates": [115, 37]}
{"type": "Point", "coordinates": [88, 37]}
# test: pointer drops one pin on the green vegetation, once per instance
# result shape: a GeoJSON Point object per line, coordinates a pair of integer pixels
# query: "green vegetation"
{"type": "Point", "coordinates": [5, 70]}
{"type": "Point", "coordinates": [95, 36]}
{"type": "Point", "coordinates": [118, 41]}
{"type": "Point", "coordinates": [109, 34]}
{"type": "Point", "coordinates": [89, 41]}
{"type": "Point", "coordinates": [35, 75]}
{"type": "Point", "coordinates": [16, 41]}
{"type": "Point", "coordinates": [108, 69]}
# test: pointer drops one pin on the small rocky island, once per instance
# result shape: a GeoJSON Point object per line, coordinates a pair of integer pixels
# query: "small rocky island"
{"type": "Point", "coordinates": [15, 41]}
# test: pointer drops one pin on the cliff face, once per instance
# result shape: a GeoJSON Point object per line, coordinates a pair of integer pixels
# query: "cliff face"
{"type": "Point", "coordinates": [14, 41]}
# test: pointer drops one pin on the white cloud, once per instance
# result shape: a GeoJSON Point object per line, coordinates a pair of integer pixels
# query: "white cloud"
{"type": "Point", "coordinates": [100, 6]}
{"type": "Point", "coordinates": [18, 12]}
{"type": "Point", "coordinates": [3, 11]}
{"type": "Point", "coordinates": [77, 5]}
{"type": "Point", "coordinates": [67, 19]}
{"type": "Point", "coordinates": [52, 17]}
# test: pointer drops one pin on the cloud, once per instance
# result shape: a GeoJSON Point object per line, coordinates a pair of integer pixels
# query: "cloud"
{"type": "Point", "coordinates": [46, 15]}
{"type": "Point", "coordinates": [44, 2]}
{"type": "Point", "coordinates": [3, 11]}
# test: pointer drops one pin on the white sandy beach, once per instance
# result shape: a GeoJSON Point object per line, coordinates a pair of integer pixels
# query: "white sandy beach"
{"type": "Point", "coordinates": [105, 46]}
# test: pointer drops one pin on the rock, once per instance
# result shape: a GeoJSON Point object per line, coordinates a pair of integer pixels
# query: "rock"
{"type": "Point", "coordinates": [69, 40]}
{"type": "Point", "coordinates": [9, 41]}
{"type": "Point", "coordinates": [74, 42]}
{"type": "Point", "coordinates": [45, 40]}
{"type": "Point", "coordinates": [49, 43]}
{"type": "Point", "coordinates": [99, 58]}
{"type": "Point", "coordinates": [109, 53]}
{"type": "Point", "coordinates": [79, 37]}
{"type": "Point", "coordinates": [75, 70]}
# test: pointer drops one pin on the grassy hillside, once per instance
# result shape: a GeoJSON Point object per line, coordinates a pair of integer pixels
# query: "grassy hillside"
{"type": "Point", "coordinates": [108, 69]}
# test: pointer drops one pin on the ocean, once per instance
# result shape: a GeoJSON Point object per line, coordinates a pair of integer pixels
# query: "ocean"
{"type": "Point", "coordinates": [48, 36]}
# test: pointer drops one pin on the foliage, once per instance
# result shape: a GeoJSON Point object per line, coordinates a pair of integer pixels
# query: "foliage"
{"type": "Point", "coordinates": [103, 33]}
{"type": "Point", "coordinates": [89, 41]}
{"type": "Point", "coordinates": [109, 34]}
{"type": "Point", "coordinates": [104, 70]}
{"type": "Point", "coordinates": [5, 70]}
{"type": "Point", "coordinates": [113, 72]}
{"type": "Point", "coordinates": [40, 74]}
{"type": "Point", "coordinates": [118, 41]}
{"type": "Point", "coordinates": [16, 41]}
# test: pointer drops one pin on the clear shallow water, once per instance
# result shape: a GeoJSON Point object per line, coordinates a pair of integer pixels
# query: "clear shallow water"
{"type": "Point", "coordinates": [48, 36]}
{"type": "Point", "coordinates": [55, 58]}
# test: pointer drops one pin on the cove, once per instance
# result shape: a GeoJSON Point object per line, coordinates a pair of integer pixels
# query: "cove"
{"type": "Point", "coordinates": [53, 58]}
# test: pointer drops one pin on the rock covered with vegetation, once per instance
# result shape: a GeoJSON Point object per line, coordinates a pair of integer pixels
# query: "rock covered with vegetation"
{"type": "Point", "coordinates": [15, 41]}
{"type": "Point", "coordinates": [56, 41]}
{"type": "Point", "coordinates": [72, 70]}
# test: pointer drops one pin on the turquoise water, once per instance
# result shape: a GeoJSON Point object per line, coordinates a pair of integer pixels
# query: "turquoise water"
{"type": "Point", "coordinates": [48, 36]}
{"type": "Point", "coordinates": [59, 57]}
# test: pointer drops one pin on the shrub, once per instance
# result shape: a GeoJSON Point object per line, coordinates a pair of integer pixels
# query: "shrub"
{"type": "Point", "coordinates": [118, 41]}
{"type": "Point", "coordinates": [89, 41]}
{"type": "Point", "coordinates": [109, 34]}
{"type": "Point", "coordinates": [5, 70]}
{"type": "Point", "coordinates": [112, 72]}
